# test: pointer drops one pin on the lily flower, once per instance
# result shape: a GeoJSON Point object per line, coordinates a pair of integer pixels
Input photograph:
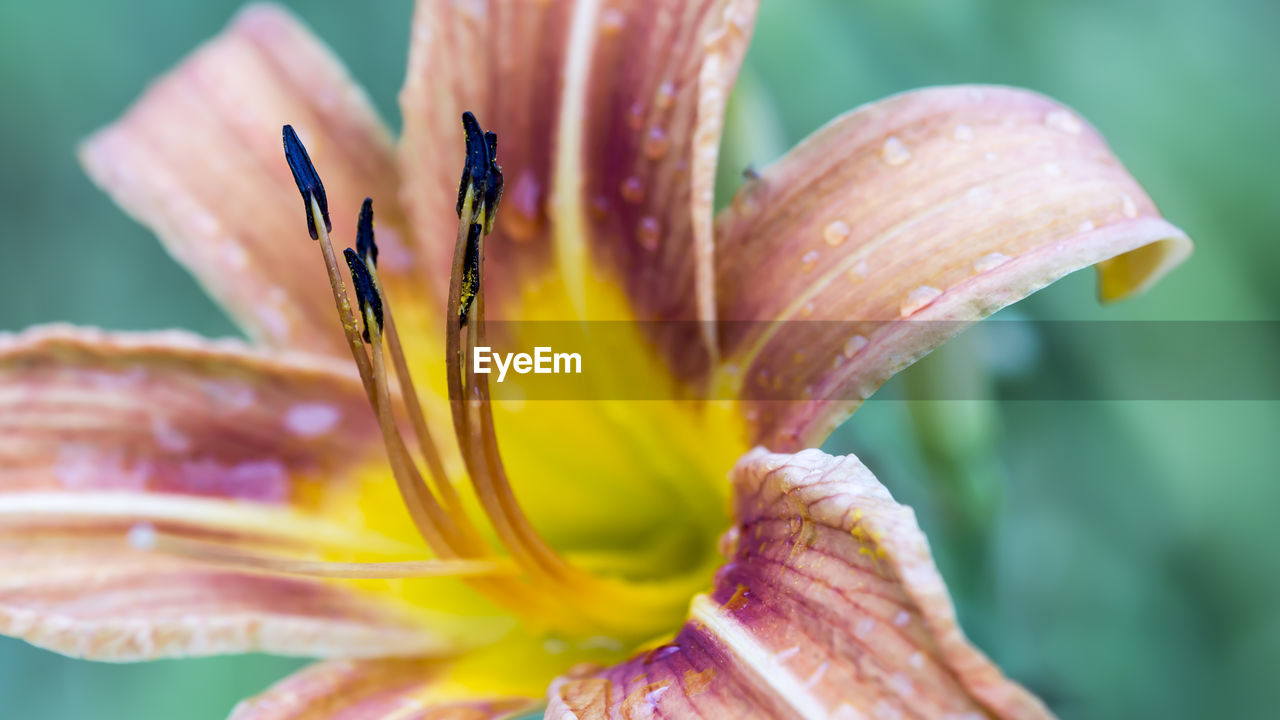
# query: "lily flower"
{"type": "Point", "coordinates": [163, 495]}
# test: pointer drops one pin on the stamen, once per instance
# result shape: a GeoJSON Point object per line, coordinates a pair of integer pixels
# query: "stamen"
{"type": "Point", "coordinates": [470, 274]}
{"type": "Point", "coordinates": [602, 599]}
{"type": "Point", "coordinates": [304, 174]}
{"type": "Point", "coordinates": [451, 535]}
{"type": "Point", "coordinates": [369, 299]}
{"type": "Point", "coordinates": [493, 188]}
{"type": "Point", "coordinates": [366, 247]}
{"type": "Point", "coordinates": [435, 526]}
{"type": "Point", "coordinates": [473, 425]}
{"type": "Point", "coordinates": [147, 538]}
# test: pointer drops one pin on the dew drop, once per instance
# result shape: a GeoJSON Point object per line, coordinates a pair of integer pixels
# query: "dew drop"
{"type": "Point", "coordinates": [858, 272]}
{"type": "Point", "coordinates": [656, 143]}
{"type": "Point", "coordinates": [990, 261]}
{"type": "Point", "coordinates": [902, 618]}
{"type": "Point", "coordinates": [1128, 207]}
{"type": "Point", "coordinates": [836, 233]}
{"type": "Point", "coordinates": [853, 345]}
{"type": "Point", "coordinates": [612, 21]}
{"type": "Point", "coordinates": [632, 190]}
{"type": "Point", "coordinates": [310, 419]}
{"type": "Point", "coordinates": [901, 685]}
{"type": "Point", "coordinates": [524, 199]}
{"type": "Point", "coordinates": [894, 152]}
{"type": "Point", "coordinates": [235, 254]}
{"type": "Point", "coordinates": [635, 116]}
{"type": "Point", "coordinates": [917, 299]}
{"type": "Point", "coordinates": [665, 96]}
{"type": "Point", "coordinates": [1064, 121]}
{"type": "Point", "coordinates": [1086, 226]}
{"type": "Point", "coordinates": [1053, 169]}
{"type": "Point", "coordinates": [963, 133]}
{"type": "Point", "coordinates": [809, 260]}
{"type": "Point", "coordinates": [600, 207]}
{"type": "Point", "coordinates": [991, 156]}
{"type": "Point", "coordinates": [648, 232]}
{"type": "Point", "coordinates": [864, 627]}
{"type": "Point", "coordinates": [977, 192]}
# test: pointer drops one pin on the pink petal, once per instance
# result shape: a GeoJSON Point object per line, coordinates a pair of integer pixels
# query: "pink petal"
{"type": "Point", "coordinates": [198, 159]}
{"type": "Point", "coordinates": [371, 690]}
{"type": "Point", "coordinates": [102, 434]}
{"type": "Point", "coordinates": [904, 221]}
{"type": "Point", "coordinates": [608, 119]}
{"type": "Point", "coordinates": [87, 594]}
{"type": "Point", "coordinates": [86, 411]}
{"type": "Point", "coordinates": [829, 607]}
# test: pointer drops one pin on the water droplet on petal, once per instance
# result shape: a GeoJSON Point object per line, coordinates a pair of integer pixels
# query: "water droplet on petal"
{"type": "Point", "coordinates": [1086, 226]}
{"type": "Point", "coordinates": [142, 536]}
{"type": "Point", "coordinates": [1064, 121]}
{"type": "Point", "coordinates": [1128, 207]}
{"type": "Point", "coordinates": [977, 192]}
{"type": "Point", "coordinates": [632, 190]}
{"type": "Point", "coordinates": [524, 200]}
{"type": "Point", "coordinates": [648, 232]}
{"type": "Point", "coordinates": [894, 152]}
{"type": "Point", "coordinates": [635, 116]}
{"type": "Point", "coordinates": [963, 133]}
{"type": "Point", "coordinates": [612, 21]}
{"type": "Point", "coordinates": [991, 156]}
{"type": "Point", "coordinates": [309, 419]}
{"type": "Point", "coordinates": [836, 233]}
{"type": "Point", "coordinates": [809, 260]}
{"type": "Point", "coordinates": [1053, 169]}
{"type": "Point", "coordinates": [858, 272]}
{"type": "Point", "coordinates": [599, 207]}
{"type": "Point", "coordinates": [656, 143]}
{"type": "Point", "coordinates": [853, 345]}
{"type": "Point", "coordinates": [665, 96]}
{"type": "Point", "coordinates": [990, 261]}
{"type": "Point", "coordinates": [917, 299]}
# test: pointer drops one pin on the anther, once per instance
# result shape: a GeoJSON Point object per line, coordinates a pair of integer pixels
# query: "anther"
{"type": "Point", "coordinates": [481, 174]}
{"type": "Point", "coordinates": [366, 294]}
{"type": "Point", "coordinates": [365, 245]}
{"type": "Point", "coordinates": [304, 174]}
{"type": "Point", "coordinates": [493, 185]}
{"type": "Point", "coordinates": [470, 274]}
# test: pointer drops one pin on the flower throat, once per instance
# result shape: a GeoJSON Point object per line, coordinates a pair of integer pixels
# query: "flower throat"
{"type": "Point", "coordinates": [513, 565]}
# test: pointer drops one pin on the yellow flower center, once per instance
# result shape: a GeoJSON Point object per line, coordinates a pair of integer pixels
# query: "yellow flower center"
{"type": "Point", "coordinates": [600, 517]}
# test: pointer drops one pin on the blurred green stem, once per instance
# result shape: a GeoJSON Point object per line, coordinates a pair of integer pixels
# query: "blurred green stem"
{"type": "Point", "coordinates": [955, 424]}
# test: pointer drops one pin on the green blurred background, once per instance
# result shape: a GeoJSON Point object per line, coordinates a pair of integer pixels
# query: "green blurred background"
{"type": "Point", "coordinates": [1118, 557]}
